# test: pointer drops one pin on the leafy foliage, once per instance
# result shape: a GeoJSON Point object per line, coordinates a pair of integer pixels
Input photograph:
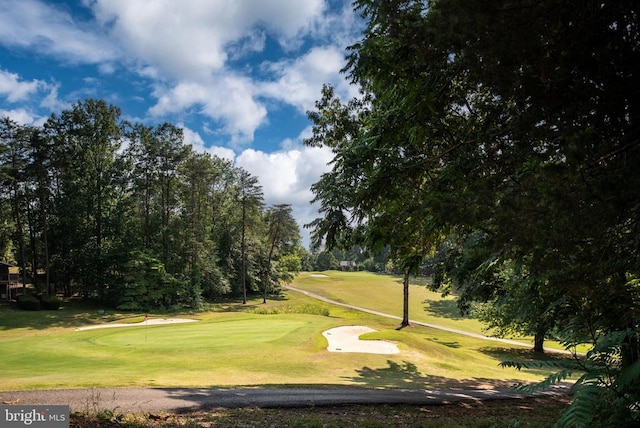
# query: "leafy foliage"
{"type": "Point", "coordinates": [484, 138]}
{"type": "Point", "coordinates": [607, 392]}
{"type": "Point", "coordinates": [142, 225]}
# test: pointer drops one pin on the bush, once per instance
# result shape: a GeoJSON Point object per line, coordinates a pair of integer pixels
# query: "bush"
{"type": "Point", "coordinates": [28, 302]}
{"type": "Point", "coordinates": [299, 309]}
{"type": "Point", "coordinates": [50, 302]}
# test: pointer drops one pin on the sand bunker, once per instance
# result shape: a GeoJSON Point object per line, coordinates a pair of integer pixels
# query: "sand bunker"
{"type": "Point", "coordinates": [317, 275]}
{"type": "Point", "coordinates": [346, 339]}
{"type": "Point", "coordinates": [150, 321]}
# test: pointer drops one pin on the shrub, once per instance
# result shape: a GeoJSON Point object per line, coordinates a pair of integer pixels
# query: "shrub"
{"type": "Point", "coordinates": [50, 302]}
{"type": "Point", "coordinates": [299, 309]}
{"type": "Point", "coordinates": [28, 302]}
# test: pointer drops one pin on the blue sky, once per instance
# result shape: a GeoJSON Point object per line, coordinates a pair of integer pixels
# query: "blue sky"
{"type": "Point", "coordinates": [237, 75]}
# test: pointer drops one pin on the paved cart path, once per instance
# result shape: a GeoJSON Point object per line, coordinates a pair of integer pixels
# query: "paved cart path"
{"type": "Point", "coordinates": [148, 400]}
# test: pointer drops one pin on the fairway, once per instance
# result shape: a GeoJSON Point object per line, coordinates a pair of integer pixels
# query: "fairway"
{"type": "Point", "coordinates": [383, 293]}
{"type": "Point", "coordinates": [280, 343]}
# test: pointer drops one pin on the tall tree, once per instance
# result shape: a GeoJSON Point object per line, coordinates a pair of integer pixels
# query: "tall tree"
{"type": "Point", "coordinates": [371, 196]}
{"type": "Point", "coordinates": [15, 158]}
{"type": "Point", "coordinates": [87, 138]}
{"type": "Point", "coordinates": [524, 147]}
{"type": "Point", "coordinates": [283, 234]}
{"type": "Point", "coordinates": [250, 198]}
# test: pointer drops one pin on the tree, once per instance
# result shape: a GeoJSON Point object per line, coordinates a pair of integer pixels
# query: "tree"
{"type": "Point", "coordinates": [523, 147]}
{"type": "Point", "coordinates": [371, 196]}
{"type": "Point", "coordinates": [86, 139]}
{"type": "Point", "coordinates": [14, 139]}
{"type": "Point", "coordinates": [250, 198]}
{"type": "Point", "coordinates": [283, 234]}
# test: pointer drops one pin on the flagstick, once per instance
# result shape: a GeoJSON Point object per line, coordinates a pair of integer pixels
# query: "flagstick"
{"type": "Point", "coordinates": [146, 327]}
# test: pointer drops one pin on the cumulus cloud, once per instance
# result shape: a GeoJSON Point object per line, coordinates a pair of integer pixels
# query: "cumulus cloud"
{"type": "Point", "coordinates": [52, 31]}
{"type": "Point", "coordinates": [15, 89]}
{"type": "Point", "coordinates": [227, 99]}
{"type": "Point", "coordinates": [287, 176]}
{"type": "Point", "coordinates": [195, 140]}
{"type": "Point", "coordinates": [299, 81]}
{"type": "Point", "coordinates": [187, 39]}
{"type": "Point", "coordinates": [21, 116]}
{"type": "Point", "coordinates": [186, 47]}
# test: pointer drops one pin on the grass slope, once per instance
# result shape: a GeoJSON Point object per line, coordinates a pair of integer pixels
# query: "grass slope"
{"type": "Point", "coordinates": [383, 293]}
{"type": "Point", "coordinates": [279, 343]}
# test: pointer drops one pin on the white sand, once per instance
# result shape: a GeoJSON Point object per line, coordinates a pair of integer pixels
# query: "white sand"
{"type": "Point", "coordinates": [346, 339]}
{"type": "Point", "coordinates": [150, 321]}
{"type": "Point", "coordinates": [317, 275]}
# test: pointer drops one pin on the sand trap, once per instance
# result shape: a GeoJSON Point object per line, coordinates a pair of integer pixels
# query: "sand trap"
{"type": "Point", "coordinates": [150, 321]}
{"type": "Point", "coordinates": [346, 339]}
{"type": "Point", "coordinates": [317, 275]}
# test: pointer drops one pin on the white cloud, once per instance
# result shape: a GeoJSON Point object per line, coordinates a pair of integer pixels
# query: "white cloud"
{"type": "Point", "coordinates": [15, 89]}
{"type": "Point", "coordinates": [186, 47]}
{"type": "Point", "coordinates": [21, 116]}
{"type": "Point", "coordinates": [299, 82]}
{"type": "Point", "coordinates": [187, 39]}
{"type": "Point", "coordinates": [286, 178]}
{"type": "Point", "coordinates": [195, 140]}
{"type": "Point", "coordinates": [51, 31]}
{"type": "Point", "coordinates": [228, 100]}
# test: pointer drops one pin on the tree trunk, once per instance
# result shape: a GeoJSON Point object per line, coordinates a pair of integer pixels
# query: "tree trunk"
{"type": "Point", "coordinates": [405, 303]}
{"type": "Point", "coordinates": [538, 341]}
{"type": "Point", "coordinates": [243, 251]}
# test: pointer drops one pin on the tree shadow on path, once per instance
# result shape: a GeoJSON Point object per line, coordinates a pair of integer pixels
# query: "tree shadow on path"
{"type": "Point", "coordinates": [406, 375]}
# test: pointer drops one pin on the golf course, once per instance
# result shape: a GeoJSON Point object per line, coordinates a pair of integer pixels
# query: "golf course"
{"type": "Point", "coordinates": [279, 343]}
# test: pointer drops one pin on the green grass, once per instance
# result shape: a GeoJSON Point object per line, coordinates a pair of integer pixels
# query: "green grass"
{"type": "Point", "coordinates": [279, 343]}
{"type": "Point", "coordinates": [383, 293]}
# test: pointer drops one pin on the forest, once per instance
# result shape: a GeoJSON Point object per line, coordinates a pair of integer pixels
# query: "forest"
{"type": "Point", "coordinates": [127, 214]}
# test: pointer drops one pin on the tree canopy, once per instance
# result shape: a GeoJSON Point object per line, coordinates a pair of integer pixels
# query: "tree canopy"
{"type": "Point", "coordinates": [130, 215]}
{"type": "Point", "coordinates": [505, 137]}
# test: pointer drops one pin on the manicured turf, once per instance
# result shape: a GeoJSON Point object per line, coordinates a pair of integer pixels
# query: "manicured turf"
{"type": "Point", "coordinates": [280, 343]}
{"type": "Point", "coordinates": [384, 293]}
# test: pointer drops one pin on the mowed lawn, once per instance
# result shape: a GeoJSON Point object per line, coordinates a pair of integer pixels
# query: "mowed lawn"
{"type": "Point", "coordinates": [383, 293]}
{"type": "Point", "coordinates": [277, 344]}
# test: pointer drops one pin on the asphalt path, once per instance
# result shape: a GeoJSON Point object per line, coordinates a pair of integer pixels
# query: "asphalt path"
{"type": "Point", "coordinates": [182, 400]}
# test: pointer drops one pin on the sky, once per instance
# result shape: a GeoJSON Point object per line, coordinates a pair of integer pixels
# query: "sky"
{"type": "Point", "coordinates": [237, 75]}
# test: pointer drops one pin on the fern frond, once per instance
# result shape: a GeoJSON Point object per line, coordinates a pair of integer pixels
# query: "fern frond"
{"type": "Point", "coordinates": [628, 376]}
{"type": "Point", "coordinates": [547, 383]}
{"type": "Point", "coordinates": [551, 364]}
{"type": "Point", "coordinates": [581, 411]}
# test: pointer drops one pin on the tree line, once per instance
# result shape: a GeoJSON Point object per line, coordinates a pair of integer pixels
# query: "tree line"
{"type": "Point", "coordinates": [500, 141]}
{"type": "Point", "coordinates": [95, 206]}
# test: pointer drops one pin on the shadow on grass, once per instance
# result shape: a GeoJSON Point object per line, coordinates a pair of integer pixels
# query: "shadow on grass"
{"type": "Point", "coordinates": [71, 315]}
{"type": "Point", "coordinates": [443, 309]}
{"type": "Point", "coordinates": [453, 345]}
{"type": "Point", "coordinates": [418, 281]}
{"type": "Point", "coordinates": [525, 355]}
{"type": "Point", "coordinates": [407, 375]}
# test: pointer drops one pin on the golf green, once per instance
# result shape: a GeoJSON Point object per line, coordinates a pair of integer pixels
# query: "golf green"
{"type": "Point", "coordinates": [238, 334]}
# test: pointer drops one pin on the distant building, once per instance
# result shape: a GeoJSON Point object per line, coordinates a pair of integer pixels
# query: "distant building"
{"type": "Point", "coordinates": [347, 265]}
{"type": "Point", "coordinates": [9, 280]}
